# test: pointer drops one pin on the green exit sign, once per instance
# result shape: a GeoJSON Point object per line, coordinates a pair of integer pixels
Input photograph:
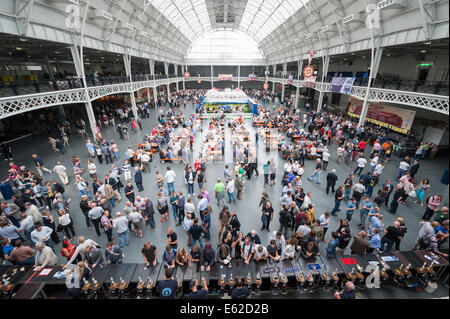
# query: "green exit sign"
{"type": "Point", "coordinates": [424, 65]}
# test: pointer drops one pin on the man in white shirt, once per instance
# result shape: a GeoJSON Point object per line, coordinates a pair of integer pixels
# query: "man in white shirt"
{"type": "Point", "coordinates": [42, 234]}
{"type": "Point", "coordinates": [61, 171]}
{"type": "Point", "coordinates": [325, 158]}
{"type": "Point", "coordinates": [379, 168]}
{"type": "Point", "coordinates": [259, 253]}
{"type": "Point", "coordinates": [373, 163]}
{"type": "Point", "coordinates": [230, 190]}
{"type": "Point", "coordinates": [324, 222]}
{"type": "Point", "coordinates": [146, 161]}
{"type": "Point", "coordinates": [27, 225]}
{"type": "Point", "coordinates": [120, 223]}
{"type": "Point", "coordinates": [170, 179]}
{"type": "Point", "coordinates": [340, 153]}
{"type": "Point", "coordinates": [92, 168]}
{"type": "Point", "coordinates": [187, 223]}
{"type": "Point", "coordinates": [403, 167]}
{"type": "Point", "coordinates": [307, 201]}
{"type": "Point", "coordinates": [361, 164]}
{"type": "Point", "coordinates": [137, 220]}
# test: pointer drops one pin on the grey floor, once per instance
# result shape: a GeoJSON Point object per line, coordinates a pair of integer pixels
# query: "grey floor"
{"type": "Point", "coordinates": [247, 209]}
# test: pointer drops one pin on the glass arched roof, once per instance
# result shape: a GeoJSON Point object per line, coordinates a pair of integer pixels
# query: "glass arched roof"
{"type": "Point", "coordinates": [196, 17]}
{"type": "Point", "coordinates": [225, 46]}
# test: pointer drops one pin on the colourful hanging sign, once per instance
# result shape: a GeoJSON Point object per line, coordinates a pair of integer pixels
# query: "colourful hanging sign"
{"type": "Point", "coordinates": [308, 71]}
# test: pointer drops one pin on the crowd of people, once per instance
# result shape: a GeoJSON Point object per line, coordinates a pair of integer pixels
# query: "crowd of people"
{"type": "Point", "coordinates": [39, 210]}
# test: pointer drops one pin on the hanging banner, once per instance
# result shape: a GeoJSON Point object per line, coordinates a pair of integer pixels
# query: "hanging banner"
{"type": "Point", "coordinates": [310, 82]}
{"type": "Point", "coordinates": [342, 84]}
{"type": "Point", "coordinates": [252, 77]}
{"type": "Point", "coordinates": [291, 80]}
{"type": "Point", "coordinates": [395, 118]}
{"type": "Point", "coordinates": [225, 77]}
{"type": "Point", "coordinates": [308, 71]}
{"type": "Point", "coordinates": [187, 75]}
{"type": "Point", "coordinates": [266, 86]}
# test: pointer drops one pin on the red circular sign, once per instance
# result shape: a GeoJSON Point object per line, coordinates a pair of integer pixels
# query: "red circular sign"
{"type": "Point", "coordinates": [266, 85]}
{"type": "Point", "coordinates": [308, 71]}
{"type": "Point", "coordinates": [187, 74]}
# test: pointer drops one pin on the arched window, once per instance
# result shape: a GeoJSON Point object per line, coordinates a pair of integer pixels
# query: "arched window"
{"type": "Point", "coordinates": [225, 47]}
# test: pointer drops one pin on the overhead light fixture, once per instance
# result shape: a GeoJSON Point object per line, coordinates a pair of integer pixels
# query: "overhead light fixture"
{"type": "Point", "coordinates": [18, 49]}
{"type": "Point", "coordinates": [22, 39]}
{"type": "Point", "coordinates": [423, 51]}
{"type": "Point", "coordinates": [363, 56]}
{"type": "Point", "coordinates": [388, 54]}
{"type": "Point", "coordinates": [428, 42]}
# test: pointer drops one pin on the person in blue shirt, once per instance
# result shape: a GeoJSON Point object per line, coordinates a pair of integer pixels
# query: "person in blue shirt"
{"type": "Point", "coordinates": [351, 207]}
{"type": "Point", "coordinates": [168, 287]}
{"type": "Point", "coordinates": [347, 293]}
{"type": "Point", "coordinates": [374, 240]}
{"type": "Point", "coordinates": [206, 224]}
{"type": "Point", "coordinates": [241, 291]}
{"type": "Point", "coordinates": [266, 169]}
{"type": "Point", "coordinates": [196, 293]}
{"type": "Point", "coordinates": [7, 248]}
{"type": "Point", "coordinates": [332, 244]}
{"type": "Point", "coordinates": [291, 177]}
{"type": "Point", "coordinates": [375, 219]}
{"type": "Point", "coordinates": [365, 208]}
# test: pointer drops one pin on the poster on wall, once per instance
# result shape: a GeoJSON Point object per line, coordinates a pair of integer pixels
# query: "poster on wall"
{"type": "Point", "coordinates": [395, 118]}
{"type": "Point", "coordinates": [310, 82]}
{"type": "Point", "coordinates": [252, 77]}
{"type": "Point", "coordinates": [225, 77]}
{"type": "Point", "coordinates": [342, 84]}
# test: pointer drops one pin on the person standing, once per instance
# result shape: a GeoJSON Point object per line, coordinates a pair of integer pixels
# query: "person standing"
{"type": "Point", "coordinates": [433, 203]}
{"type": "Point", "coordinates": [331, 181]}
{"type": "Point", "coordinates": [325, 158]}
{"type": "Point", "coordinates": [40, 165]}
{"type": "Point", "coordinates": [113, 253]}
{"type": "Point", "coordinates": [230, 190]}
{"type": "Point", "coordinates": [196, 231]}
{"type": "Point", "coordinates": [120, 223]}
{"type": "Point", "coordinates": [61, 171]}
{"type": "Point", "coordinates": [170, 179]}
{"type": "Point", "coordinates": [180, 205]}
{"type": "Point", "coordinates": [399, 194]}
{"type": "Point", "coordinates": [391, 235]}
{"type": "Point", "coordinates": [366, 207]}
{"type": "Point", "coordinates": [92, 169]}
{"type": "Point", "coordinates": [403, 167]}
{"type": "Point", "coordinates": [138, 178]}
{"type": "Point", "coordinates": [168, 287]}
{"type": "Point", "coordinates": [106, 151]}
{"type": "Point", "coordinates": [126, 169]}
{"type": "Point", "coordinates": [7, 151]}
{"type": "Point", "coordinates": [95, 214]}
{"type": "Point", "coordinates": [189, 178]}
{"type": "Point", "coordinates": [107, 225]}
{"type": "Point", "coordinates": [219, 192]}
{"type": "Point", "coordinates": [338, 197]}
{"type": "Point", "coordinates": [129, 192]}
{"type": "Point", "coordinates": [239, 183]}
{"type": "Point", "coordinates": [267, 215]}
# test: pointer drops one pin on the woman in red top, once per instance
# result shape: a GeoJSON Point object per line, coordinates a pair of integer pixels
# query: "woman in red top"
{"type": "Point", "coordinates": [68, 249]}
{"type": "Point", "coordinates": [362, 146]}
